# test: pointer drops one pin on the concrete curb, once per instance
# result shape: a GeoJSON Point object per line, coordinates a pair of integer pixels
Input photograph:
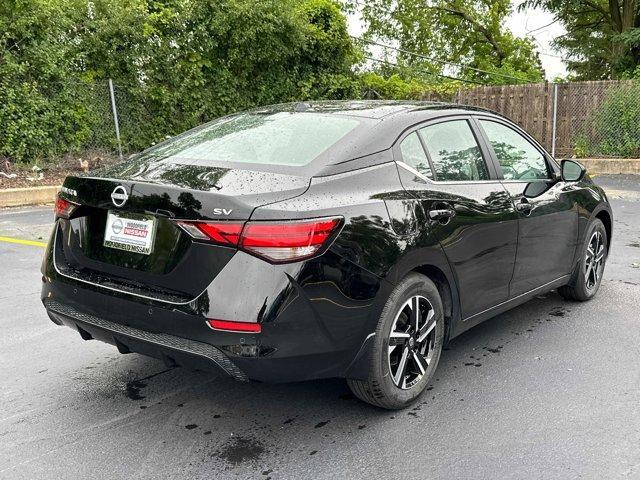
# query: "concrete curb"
{"type": "Point", "coordinates": [17, 197]}
{"type": "Point", "coordinates": [611, 166]}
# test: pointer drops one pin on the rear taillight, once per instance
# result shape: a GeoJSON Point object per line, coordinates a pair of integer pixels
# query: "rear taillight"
{"type": "Point", "coordinates": [281, 242]}
{"type": "Point", "coordinates": [64, 208]}
{"type": "Point", "coordinates": [223, 233]}
{"type": "Point", "coordinates": [276, 242]}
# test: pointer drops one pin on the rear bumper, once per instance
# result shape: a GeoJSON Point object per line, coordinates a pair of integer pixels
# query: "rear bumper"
{"type": "Point", "coordinates": [316, 319]}
{"type": "Point", "coordinates": [171, 349]}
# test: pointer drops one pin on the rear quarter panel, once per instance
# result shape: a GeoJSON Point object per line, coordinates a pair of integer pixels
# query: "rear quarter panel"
{"type": "Point", "coordinates": [381, 238]}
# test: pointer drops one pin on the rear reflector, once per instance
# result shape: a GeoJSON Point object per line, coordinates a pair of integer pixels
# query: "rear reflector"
{"type": "Point", "coordinates": [229, 326]}
{"type": "Point", "coordinates": [275, 241]}
{"type": "Point", "coordinates": [63, 208]}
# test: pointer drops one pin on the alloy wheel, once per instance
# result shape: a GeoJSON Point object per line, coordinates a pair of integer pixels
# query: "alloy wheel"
{"type": "Point", "coordinates": [594, 260]}
{"type": "Point", "coordinates": [411, 342]}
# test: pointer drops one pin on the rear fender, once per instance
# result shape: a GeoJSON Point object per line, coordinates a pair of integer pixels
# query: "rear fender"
{"type": "Point", "coordinates": [419, 259]}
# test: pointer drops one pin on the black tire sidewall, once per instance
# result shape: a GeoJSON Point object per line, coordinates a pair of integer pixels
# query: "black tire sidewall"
{"type": "Point", "coordinates": [580, 284]}
{"type": "Point", "coordinates": [413, 284]}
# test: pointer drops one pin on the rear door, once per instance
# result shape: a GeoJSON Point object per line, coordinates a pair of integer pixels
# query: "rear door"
{"type": "Point", "coordinates": [548, 219]}
{"type": "Point", "coordinates": [464, 204]}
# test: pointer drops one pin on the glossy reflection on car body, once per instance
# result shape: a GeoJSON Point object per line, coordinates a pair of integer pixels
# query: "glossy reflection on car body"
{"type": "Point", "coordinates": [305, 230]}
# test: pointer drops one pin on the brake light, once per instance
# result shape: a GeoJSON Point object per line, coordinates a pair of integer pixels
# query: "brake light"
{"type": "Point", "coordinates": [281, 242]}
{"type": "Point", "coordinates": [64, 208]}
{"type": "Point", "coordinates": [229, 326]}
{"type": "Point", "coordinates": [223, 233]}
{"type": "Point", "coordinates": [275, 241]}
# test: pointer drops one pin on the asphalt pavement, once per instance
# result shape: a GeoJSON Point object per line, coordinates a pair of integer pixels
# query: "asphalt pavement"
{"type": "Point", "coordinates": [548, 390]}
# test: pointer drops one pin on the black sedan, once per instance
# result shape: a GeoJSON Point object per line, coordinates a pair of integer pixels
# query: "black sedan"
{"type": "Point", "coordinates": [315, 240]}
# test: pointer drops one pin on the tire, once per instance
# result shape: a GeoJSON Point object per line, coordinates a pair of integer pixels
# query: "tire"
{"type": "Point", "coordinates": [385, 386]}
{"type": "Point", "coordinates": [585, 281]}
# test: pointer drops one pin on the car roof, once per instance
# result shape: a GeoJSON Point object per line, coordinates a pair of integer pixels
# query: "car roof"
{"type": "Point", "coordinates": [375, 109]}
{"type": "Point", "coordinates": [384, 121]}
{"type": "Point", "coordinates": [381, 123]}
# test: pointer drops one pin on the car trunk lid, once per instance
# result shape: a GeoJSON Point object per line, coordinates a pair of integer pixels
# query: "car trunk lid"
{"type": "Point", "coordinates": [174, 264]}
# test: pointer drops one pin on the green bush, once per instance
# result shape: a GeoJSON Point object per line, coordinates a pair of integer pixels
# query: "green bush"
{"type": "Point", "coordinates": [175, 64]}
{"type": "Point", "coordinates": [613, 129]}
{"type": "Point", "coordinates": [397, 88]}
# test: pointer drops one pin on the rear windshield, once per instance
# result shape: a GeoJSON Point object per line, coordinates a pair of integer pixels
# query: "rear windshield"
{"type": "Point", "coordinates": [283, 138]}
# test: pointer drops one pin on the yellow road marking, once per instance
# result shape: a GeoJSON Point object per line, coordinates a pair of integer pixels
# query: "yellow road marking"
{"type": "Point", "coordinates": [20, 241]}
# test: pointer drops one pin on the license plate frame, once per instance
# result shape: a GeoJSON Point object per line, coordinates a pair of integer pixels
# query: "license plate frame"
{"type": "Point", "coordinates": [130, 232]}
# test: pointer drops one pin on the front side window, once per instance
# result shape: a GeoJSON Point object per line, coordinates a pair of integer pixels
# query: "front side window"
{"type": "Point", "coordinates": [519, 159]}
{"type": "Point", "coordinates": [414, 155]}
{"type": "Point", "coordinates": [454, 151]}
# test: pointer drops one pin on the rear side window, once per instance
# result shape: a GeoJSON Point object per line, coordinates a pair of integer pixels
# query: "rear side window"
{"type": "Point", "coordinates": [414, 155]}
{"type": "Point", "coordinates": [454, 151]}
{"type": "Point", "coordinates": [293, 139]}
{"type": "Point", "coordinates": [519, 159]}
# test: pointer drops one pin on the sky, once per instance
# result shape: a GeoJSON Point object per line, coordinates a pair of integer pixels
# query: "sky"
{"type": "Point", "coordinates": [534, 23]}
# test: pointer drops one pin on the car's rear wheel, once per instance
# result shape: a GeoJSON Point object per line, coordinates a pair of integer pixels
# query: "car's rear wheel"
{"type": "Point", "coordinates": [588, 274]}
{"type": "Point", "coordinates": [407, 345]}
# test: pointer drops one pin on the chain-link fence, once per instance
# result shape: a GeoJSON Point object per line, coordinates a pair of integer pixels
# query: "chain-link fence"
{"type": "Point", "coordinates": [98, 124]}
{"type": "Point", "coordinates": [87, 106]}
{"type": "Point", "coordinates": [600, 119]}
{"type": "Point", "coordinates": [581, 119]}
{"type": "Point", "coordinates": [94, 122]}
{"type": "Point", "coordinates": [140, 121]}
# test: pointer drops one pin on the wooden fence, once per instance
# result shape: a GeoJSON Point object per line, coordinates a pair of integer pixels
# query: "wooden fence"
{"type": "Point", "coordinates": [532, 107]}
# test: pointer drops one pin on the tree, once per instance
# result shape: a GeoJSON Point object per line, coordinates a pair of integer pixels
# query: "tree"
{"type": "Point", "coordinates": [465, 37]}
{"type": "Point", "coordinates": [603, 36]}
{"type": "Point", "coordinates": [35, 59]}
{"type": "Point", "coordinates": [189, 61]}
{"type": "Point", "coordinates": [175, 64]}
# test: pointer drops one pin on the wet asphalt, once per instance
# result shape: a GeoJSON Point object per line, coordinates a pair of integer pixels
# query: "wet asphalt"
{"type": "Point", "coordinates": [550, 389]}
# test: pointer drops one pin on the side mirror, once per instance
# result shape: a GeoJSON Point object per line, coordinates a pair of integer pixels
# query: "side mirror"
{"type": "Point", "coordinates": [572, 171]}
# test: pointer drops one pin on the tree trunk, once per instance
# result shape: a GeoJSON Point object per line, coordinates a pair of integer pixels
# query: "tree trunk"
{"type": "Point", "coordinates": [629, 9]}
{"type": "Point", "coordinates": [616, 18]}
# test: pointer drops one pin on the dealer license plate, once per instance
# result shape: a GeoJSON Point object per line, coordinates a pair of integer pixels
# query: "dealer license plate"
{"type": "Point", "coordinates": [130, 232]}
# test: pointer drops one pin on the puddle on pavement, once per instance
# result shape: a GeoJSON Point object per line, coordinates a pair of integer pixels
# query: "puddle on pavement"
{"type": "Point", "coordinates": [240, 450]}
{"type": "Point", "coordinates": [132, 390]}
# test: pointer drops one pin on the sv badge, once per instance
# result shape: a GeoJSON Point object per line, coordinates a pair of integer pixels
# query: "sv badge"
{"type": "Point", "coordinates": [222, 211]}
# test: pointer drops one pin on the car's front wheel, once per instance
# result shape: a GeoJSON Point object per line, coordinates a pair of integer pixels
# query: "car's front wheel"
{"type": "Point", "coordinates": [588, 274]}
{"type": "Point", "coordinates": [407, 345]}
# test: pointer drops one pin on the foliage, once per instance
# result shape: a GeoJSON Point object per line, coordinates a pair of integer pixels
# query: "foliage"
{"type": "Point", "coordinates": [175, 64]}
{"type": "Point", "coordinates": [464, 36]}
{"type": "Point", "coordinates": [209, 58]}
{"type": "Point", "coordinates": [603, 36]}
{"type": "Point", "coordinates": [395, 87]}
{"type": "Point", "coordinates": [34, 59]}
{"type": "Point", "coordinates": [615, 123]}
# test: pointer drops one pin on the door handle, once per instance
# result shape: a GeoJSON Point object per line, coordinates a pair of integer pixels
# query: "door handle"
{"type": "Point", "coordinates": [524, 207]}
{"type": "Point", "coordinates": [442, 214]}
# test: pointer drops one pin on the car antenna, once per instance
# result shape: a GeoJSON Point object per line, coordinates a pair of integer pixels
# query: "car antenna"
{"type": "Point", "coordinates": [302, 107]}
